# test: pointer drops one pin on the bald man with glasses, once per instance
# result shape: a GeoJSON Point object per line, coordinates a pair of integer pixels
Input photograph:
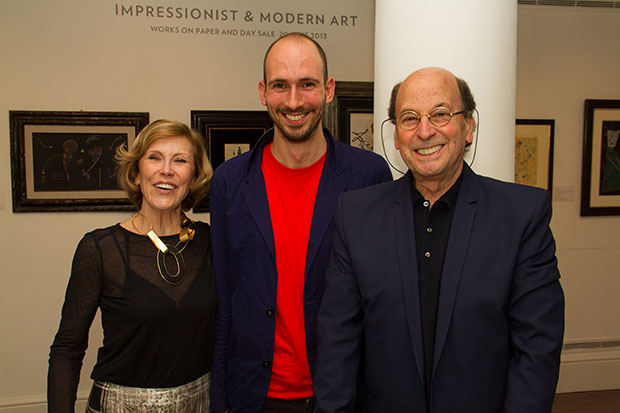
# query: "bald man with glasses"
{"type": "Point", "coordinates": [443, 290]}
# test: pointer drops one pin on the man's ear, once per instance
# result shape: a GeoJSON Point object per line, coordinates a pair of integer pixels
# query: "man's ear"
{"type": "Point", "coordinates": [262, 90]}
{"type": "Point", "coordinates": [396, 139]}
{"type": "Point", "coordinates": [469, 136]}
{"type": "Point", "coordinates": [330, 89]}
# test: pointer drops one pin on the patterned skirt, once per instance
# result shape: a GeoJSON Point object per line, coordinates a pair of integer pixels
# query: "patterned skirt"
{"type": "Point", "coordinates": [192, 397]}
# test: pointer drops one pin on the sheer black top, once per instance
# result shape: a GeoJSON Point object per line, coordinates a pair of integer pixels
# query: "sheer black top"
{"type": "Point", "coordinates": [155, 334]}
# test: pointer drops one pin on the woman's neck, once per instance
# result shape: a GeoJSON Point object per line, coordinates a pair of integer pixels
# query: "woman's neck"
{"type": "Point", "coordinates": [162, 223]}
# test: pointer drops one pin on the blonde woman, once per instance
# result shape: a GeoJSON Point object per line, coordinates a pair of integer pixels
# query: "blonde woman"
{"type": "Point", "coordinates": [151, 276]}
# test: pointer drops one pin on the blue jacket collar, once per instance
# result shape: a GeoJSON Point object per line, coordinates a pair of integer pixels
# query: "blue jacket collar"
{"type": "Point", "coordinates": [254, 163]}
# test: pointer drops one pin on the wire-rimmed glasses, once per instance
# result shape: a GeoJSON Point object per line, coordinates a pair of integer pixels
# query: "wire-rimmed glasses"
{"type": "Point", "coordinates": [440, 116]}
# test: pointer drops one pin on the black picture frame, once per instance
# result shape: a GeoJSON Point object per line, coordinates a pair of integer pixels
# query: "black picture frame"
{"type": "Point", "coordinates": [600, 177]}
{"type": "Point", "coordinates": [64, 161]}
{"type": "Point", "coordinates": [350, 114]}
{"type": "Point", "coordinates": [227, 132]}
{"type": "Point", "coordinates": [534, 142]}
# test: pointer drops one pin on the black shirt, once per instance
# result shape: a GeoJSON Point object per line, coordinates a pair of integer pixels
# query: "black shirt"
{"type": "Point", "coordinates": [432, 231]}
{"type": "Point", "coordinates": [155, 334]}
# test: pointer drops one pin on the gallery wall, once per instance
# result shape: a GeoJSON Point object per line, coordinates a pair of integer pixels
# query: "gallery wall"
{"type": "Point", "coordinates": [69, 55]}
{"type": "Point", "coordinates": [564, 56]}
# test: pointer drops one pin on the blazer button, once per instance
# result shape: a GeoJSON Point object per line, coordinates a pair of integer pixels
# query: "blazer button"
{"type": "Point", "coordinates": [269, 312]}
{"type": "Point", "coordinates": [266, 364]}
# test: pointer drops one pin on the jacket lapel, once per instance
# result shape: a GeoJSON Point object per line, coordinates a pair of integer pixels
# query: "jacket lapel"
{"type": "Point", "coordinates": [408, 267]}
{"type": "Point", "coordinates": [330, 187]}
{"type": "Point", "coordinates": [255, 194]}
{"type": "Point", "coordinates": [464, 214]}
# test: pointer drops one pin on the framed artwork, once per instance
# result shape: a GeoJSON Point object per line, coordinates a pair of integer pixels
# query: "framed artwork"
{"type": "Point", "coordinates": [228, 134]}
{"type": "Point", "coordinates": [350, 115]}
{"type": "Point", "coordinates": [600, 175]}
{"type": "Point", "coordinates": [534, 152]}
{"type": "Point", "coordinates": [64, 161]}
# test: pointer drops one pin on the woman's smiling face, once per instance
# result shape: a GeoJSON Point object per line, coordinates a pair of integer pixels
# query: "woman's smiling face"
{"type": "Point", "coordinates": [165, 174]}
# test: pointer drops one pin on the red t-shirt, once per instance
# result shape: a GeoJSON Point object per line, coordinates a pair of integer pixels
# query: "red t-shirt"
{"type": "Point", "coordinates": [291, 194]}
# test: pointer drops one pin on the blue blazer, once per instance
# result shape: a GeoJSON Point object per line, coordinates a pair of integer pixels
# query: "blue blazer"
{"type": "Point", "coordinates": [500, 318]}
{"type": "Point", "coordinates": [245, 266]}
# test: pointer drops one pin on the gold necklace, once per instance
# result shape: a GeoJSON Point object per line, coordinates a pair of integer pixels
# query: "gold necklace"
{"type": "Point", "coordinates": [186, 234]}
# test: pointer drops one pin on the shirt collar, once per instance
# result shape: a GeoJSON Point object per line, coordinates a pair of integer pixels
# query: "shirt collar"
{"type": "Point", "coordinates": [449, 198]}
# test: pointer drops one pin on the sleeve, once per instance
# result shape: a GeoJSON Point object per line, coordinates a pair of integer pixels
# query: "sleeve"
{"type": "Point", "coordinates": [339, 330]}
{"type": "Point", "coordinates": [67, 350]}
{"type": "Point", "coordinates": [536, 312]}
{"type": "Point", "coordinates": [383, 173]}
{"type": "Point", "coordinates": [376, 169]}
{"type": "Point", "coordinates": [219, 246]}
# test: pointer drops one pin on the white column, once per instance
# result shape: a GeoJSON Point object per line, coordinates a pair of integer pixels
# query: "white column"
{"type": "Point", "coordinates": [477, 41]}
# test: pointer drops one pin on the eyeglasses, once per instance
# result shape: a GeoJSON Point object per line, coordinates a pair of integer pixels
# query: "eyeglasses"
{"type": "Point", "coordinates": [438, 117]}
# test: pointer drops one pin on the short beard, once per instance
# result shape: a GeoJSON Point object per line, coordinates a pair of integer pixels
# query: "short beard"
{"type": "Point", "coordinates": [303, 135]}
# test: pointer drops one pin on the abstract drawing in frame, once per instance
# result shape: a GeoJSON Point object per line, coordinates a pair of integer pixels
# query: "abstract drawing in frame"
{"type": "Point", "coordinates": [534, 152]}
{"type": "Point", "coordinates": [350, 115]}
{"type": "Point", "coordinates": [600, 178]}
{"type": "Point", "coordinates": [227, 134]}
{"type": "Point", "coordinates": [64, 161]}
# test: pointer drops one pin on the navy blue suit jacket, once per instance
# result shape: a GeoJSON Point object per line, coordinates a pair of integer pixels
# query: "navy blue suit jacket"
{"type": "Point", "coordinates": [245, 266]}
{"type": "Point", "coordinates": [500, 318]}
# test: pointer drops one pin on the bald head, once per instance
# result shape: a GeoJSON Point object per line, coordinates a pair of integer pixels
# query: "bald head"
{"type": "Point", "coordinates": [431, 83]}
{"type": "Point", "coordinates": [448, 79]}
{"type": "Point", "coordinates": [296, 38]}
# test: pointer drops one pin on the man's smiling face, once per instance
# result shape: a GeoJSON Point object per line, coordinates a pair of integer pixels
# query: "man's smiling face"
{"type": "Point", "coordinates": [431, 152]}
{"type": "Point", "coordinates": [294, 89]}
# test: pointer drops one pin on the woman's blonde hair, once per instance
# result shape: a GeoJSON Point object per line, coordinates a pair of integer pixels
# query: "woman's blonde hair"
{"type": "Point", "coordinates": [127, 168]}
